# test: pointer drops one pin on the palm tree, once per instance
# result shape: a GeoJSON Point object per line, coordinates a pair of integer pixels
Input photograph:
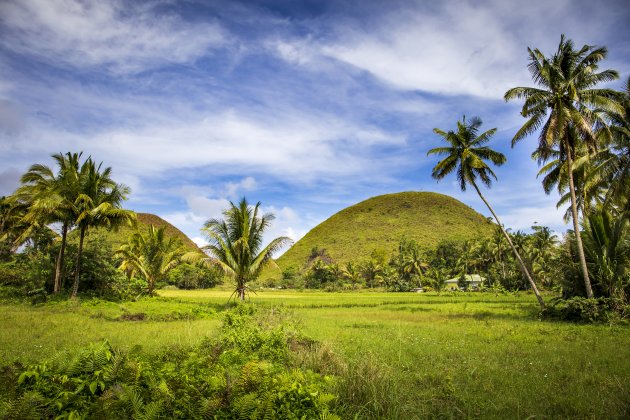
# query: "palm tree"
{"type": "Point", "coordinates": [590, 188]}
{"type": "Point", "coordinates": [152, 255]}
{"type": "Point", "coordinates": [236, 243]}
{"type": "Point", "coordinates": [608, 252]}
{"type": "Point", "coordinates": [614, 165]}
{"type": "Point", "coordinates": [410, 261]}
{"type": "Point", "coordinates": [49, 197]}
{"type": "Point", "coordinates": [97, 205]}
{"type": "Point", "coordinates": [350, 271]}
{"type": "Point", "coordinates": [466, 155]}
{"type": "Point", "coordinates": [543, 243]}
{"type": "Point", "coordinates": [12, 225]}
{"type": "Point", "coordinates": [562, 108]}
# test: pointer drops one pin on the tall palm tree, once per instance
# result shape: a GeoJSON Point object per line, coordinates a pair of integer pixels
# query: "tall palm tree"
{"type": "Point", "coordinates": [97, 205]}
{"type": "Point", "coordinates": [562, 107]}
{"type": "Point", "coordinates": [49, 197]}
{"type": "Point", "coordinates": [590, 188]}
{"type": "Point", "coordinates": [152, 255]}
{"type": "Point", "coordinates": [236, 243]}
{"type": "Point", "coordinates": [466, 155]}
{"type": "Point", "coordinates": [614, 165]}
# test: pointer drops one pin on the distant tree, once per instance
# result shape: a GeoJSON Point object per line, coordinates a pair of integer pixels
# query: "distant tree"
{"type": "Point", "coordinates": [236, 243]}
{"type": "Point", "coordinates": [351, 272]}
{"type": "Point", "coordinates": [466, 155]}
{"type": "Point", "coordinates": [411, 261]}
{"type": "Point", "coordinates": [562, 107]}
{"type": "Point", "coordinates": [152, 255]}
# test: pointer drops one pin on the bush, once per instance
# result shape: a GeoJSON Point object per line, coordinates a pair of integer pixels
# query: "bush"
{"type": "Point", "coordinates": [27, 271]}
{"type": "Point", "coordinates": [580, 309]}
{"type": "Point", "coordinates": [243, 373]}
{"type": "Point", "coordinates": [187, 276]}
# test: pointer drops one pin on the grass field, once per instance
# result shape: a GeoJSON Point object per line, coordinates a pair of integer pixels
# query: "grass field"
{"type": "Point", "coordinates": [405, 355]}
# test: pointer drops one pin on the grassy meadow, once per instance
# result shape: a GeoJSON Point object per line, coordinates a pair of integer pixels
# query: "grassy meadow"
{"type": "Point", "coordinates": [394, 355]}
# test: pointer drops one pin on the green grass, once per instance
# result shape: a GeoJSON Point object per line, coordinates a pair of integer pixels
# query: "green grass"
{"type": "Point", "coordinates": [380, 222]}
{"type": "Point", "coordinates": [398, 355]}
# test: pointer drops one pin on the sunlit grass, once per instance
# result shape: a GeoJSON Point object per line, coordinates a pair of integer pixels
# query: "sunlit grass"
{"type": "Point", "coordinates": [454, 355]}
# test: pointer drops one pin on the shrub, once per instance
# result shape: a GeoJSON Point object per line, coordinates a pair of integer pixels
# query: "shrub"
{"type": "Point", "coordinates": [187, 276]}
{"type": "Point", "coordinates": [580, 309]}
{"type": "Point", "coordinates": [243, 373]}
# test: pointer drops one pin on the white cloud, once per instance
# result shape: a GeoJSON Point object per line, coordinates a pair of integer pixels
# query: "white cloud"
{"type": "Point", "coordinates": [246, 184]}
{"type": "Point", "coordinates": [297, 146]}
{"type": "Point", "coordinates": [463, 49]}
{"type": "Point", "coordinates": [125, 37]}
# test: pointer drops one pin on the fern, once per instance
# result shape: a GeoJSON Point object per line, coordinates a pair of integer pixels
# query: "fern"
{"type": "Point", "coordinates": [244, 407]}
{"type": "Point", "coordinates": [29, 406]}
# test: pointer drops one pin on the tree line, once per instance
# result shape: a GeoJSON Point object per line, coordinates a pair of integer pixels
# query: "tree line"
{"type": "Point", "coordinates": [583, 145]}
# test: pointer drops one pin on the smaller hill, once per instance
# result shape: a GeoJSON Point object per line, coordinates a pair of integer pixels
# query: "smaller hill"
{"type": "Point", "coordinates": [120, 236]}
{"type": "Point", "coordinates": [380, 222]}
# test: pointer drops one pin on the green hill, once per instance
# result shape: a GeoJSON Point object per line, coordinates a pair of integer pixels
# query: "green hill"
{"type": "Point", "coordinates": [122, 234]}
{"type": "Point", "coordinates": [380, 222]}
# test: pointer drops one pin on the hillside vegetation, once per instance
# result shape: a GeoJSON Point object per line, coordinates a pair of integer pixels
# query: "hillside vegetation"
{"type": "Point", "coordinates": [380, 222]}
{"type": "Point", "coordinates": [120, 236]}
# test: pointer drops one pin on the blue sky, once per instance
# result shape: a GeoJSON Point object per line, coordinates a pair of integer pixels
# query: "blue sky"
{"type": "Point", "coordinates": [306, 106]}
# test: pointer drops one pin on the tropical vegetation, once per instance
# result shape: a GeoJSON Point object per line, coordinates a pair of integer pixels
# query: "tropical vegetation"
{"type": "Point", "coordinates": [471, 343]}
{"type": "Point", "coordinates": [236, 244]}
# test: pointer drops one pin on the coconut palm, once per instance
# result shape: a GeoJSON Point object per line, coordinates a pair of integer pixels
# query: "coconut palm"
{"type": "Point", "coordinates": [236, 243]}
{"type": "Point", "coordinates": [466, 155]}
{"type": "Point", "coordinates": [562, 107]}
{"type": "Point", "coordinates": [590, 188]}
{"type": "Point", "coordinates": [49, 197]}
{"type": "Point", "coordinates": [614, 162]}
{"type": "Point", "coordinates": [12, 225]}
{"type": "Point", "coordinates": [351, 272]}
{"type": "Point", "coordinates": [152, 255]}
{"type": "Point", "coordinates": [608, 253]}
{"type": "Point", "coordinates": [410, 262]}
{"type": "Point", "coordinates": [97, 205]}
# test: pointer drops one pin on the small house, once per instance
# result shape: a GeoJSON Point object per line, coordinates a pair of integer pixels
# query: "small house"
{"type": "Point", "coordinates": [472, 280]}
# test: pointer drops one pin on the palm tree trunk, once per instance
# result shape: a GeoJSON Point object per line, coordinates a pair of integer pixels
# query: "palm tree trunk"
{"type": "Point", "coordinates": [77, 271]}
{"type": "Point", "coordinates": [59, 265]}
{"type": "Point", "coordinates": [576, 227]}
{"type": "Point", "coordinates": [518, 257]}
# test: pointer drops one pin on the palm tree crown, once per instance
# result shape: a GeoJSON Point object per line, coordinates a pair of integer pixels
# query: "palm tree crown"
{"type": "Point", "coordinates": [236, 243]}
{"type": "Point", "coordinates": [152, 255]}
{"type": "Point", "coordinates": [466, 154]}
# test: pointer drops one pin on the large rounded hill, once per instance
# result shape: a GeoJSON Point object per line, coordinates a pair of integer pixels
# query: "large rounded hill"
{"type": "Point", "coordinates": [380, 222]}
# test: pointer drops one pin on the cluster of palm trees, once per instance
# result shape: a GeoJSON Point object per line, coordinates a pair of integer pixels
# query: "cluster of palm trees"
{"type": "Point", "coordinates": [403, 271]}
{"type": "Point", "coordinates": [76, 195]}
{"type": "Point", "coordinates": [151, 255]}
{"type": "Point", "coordinates": [583, 140]}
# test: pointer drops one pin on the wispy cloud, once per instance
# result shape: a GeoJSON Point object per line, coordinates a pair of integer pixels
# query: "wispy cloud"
{"type": "Point", "coordinates": [124, 37]}
{"type": "Point", "coordinates": [307, 109]}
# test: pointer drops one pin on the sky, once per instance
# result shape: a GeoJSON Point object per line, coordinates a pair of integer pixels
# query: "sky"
{"type": "Point", "coordinates": [306, 106]}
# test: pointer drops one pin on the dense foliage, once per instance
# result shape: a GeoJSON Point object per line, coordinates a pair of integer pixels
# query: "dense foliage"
{"type": "Point", "coordinates": [245, 372]}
